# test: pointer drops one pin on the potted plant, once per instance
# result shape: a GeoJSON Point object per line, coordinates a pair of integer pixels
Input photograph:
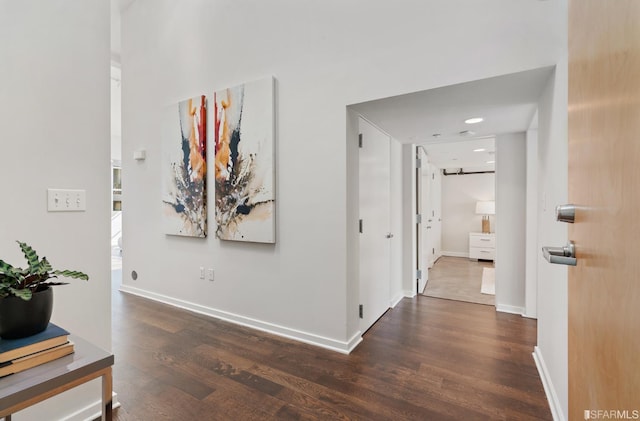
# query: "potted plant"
{"type": "Point", "coordinates": [26, 297]}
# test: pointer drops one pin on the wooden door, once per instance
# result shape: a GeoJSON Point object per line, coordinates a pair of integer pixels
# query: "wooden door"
{"type": "Point", "coordinates": [375, 213]}
{"type": "Point", "coordinates": [604, 180]}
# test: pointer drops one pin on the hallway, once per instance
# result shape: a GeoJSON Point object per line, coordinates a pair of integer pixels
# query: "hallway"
{"type": "Point", "coordinates": [425, 359]}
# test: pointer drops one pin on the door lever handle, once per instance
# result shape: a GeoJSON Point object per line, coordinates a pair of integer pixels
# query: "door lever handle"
{"type": "Point", "coordinates": [561, 255]}
{"type": "Point", "coordinates": [566, 213]}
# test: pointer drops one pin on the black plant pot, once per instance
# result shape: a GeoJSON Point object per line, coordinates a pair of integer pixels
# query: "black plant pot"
{"type": "Point", "coordinates": [20, 318]}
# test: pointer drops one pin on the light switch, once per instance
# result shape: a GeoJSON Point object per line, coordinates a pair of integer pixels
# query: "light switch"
{"type": "Point", "coordinates": [64, 200]}
{"type": "Point", "coordinates": [140, 154]}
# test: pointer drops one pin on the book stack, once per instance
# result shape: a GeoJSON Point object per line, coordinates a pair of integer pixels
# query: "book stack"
{"type": "Point", "coordinates": [17, 355]}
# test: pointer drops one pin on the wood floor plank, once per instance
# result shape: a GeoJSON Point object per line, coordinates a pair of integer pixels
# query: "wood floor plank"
{"type": "Point", "coordinates": [427, 359]}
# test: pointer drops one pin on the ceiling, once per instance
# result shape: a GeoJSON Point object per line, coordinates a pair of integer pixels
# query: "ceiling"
{"type": "Point", "coordinates": [507, 103]}
{"type": "Point", "coordinates": [472, 155]}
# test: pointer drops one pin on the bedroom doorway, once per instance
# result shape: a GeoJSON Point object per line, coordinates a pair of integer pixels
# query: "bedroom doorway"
{"type": "Point", "coordinates": [454, 178]}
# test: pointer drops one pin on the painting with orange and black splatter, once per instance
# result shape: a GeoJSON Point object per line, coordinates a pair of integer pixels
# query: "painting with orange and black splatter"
{"type": "Point", "coordinates": [244, 162]}
{"type": "Point", "coordinates": [184, 198]}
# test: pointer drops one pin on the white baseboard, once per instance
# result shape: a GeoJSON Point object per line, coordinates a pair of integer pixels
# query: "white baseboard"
{"type": "Point", "coordinates": [354, 341]}
{"type": "Point", "coordinates": [409, 293]}
{"type": "Point", "coordinates": [503, 308]}
{"type": "Point", "coordinates": [343, 347]}
{"type": "Point", "coordinates": [455, 254]}
{"type": "Point", "coordinates": [549, 390]}
{"type": "Point", "coordinates": [394, 302]}
{"type": "Point", "coordinates": [91, 411]}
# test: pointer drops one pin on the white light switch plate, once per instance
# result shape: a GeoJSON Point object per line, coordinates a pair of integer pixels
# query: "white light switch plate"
{"type": "Point", "coordinates": [64, 200]}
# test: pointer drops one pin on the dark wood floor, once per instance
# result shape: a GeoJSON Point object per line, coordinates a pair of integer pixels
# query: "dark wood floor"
{"type": "Point", "coordinates": [427, 359]}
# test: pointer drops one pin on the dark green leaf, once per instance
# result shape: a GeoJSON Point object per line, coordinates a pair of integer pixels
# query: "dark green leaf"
{"type": "Point", "coordinates": [71, 274]}
{"type": "Point", "coordinates": [45, 266]}
{"type": "Point", "coordinates": [6, 268]}
{"type": "Point", "coordinates": [31, 256]}
{"type": "Point", "coordinates": [25, 294]}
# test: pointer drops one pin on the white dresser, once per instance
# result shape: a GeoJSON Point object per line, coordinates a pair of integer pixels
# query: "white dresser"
{"type": "Point", "coordinates": [482, 246]}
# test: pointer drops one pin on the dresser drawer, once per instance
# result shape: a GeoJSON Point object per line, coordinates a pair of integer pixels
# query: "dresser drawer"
{"type": "Point", "coordinates": [482, 241]}
{"type": "Point", "coordinates": [482, 253]}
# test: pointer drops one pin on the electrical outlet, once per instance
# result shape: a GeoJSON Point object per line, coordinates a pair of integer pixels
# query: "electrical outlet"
{"type": "Point", "coordinates": [64, 200]}
{"type": "Point", "coordinates": [201, 272]}
{"type": "Point", "coordinates": [211, 274]}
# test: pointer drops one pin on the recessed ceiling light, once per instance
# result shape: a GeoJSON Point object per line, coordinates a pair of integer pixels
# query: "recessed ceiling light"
{"type": "Point", "coordinates": [467, 133]}
{"type": "Point", "coordinates": [474, 120]}
{"type": "Point", "coordinates": [479, 150]}
{"type": "Point", "coordinates": [491, 162]}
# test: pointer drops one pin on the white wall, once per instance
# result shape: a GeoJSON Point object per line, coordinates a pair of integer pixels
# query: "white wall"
{"type": "Point", "coordinates": [324, 56]}
{"type": "Point", "coordinates": [54, 114]}
{"type": "Point", "coordinates": [410, 238]}
{"type": "Point", "coordinates": [460, 193]}
{"type": "Point", "coordinates": [511, 188]}
{"type": "Point", "coordinates": [396, 286]}
{"type": "Point", "coordinates": [115, 40]}
{"type": "Point", "coordinates": [116, 114]}
{"type": "Point", "coordinates": [552, 279]}
{"type": "Point", "coordinates": [531, 246]}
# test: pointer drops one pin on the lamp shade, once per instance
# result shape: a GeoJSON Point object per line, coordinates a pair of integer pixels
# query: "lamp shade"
{"type": "Point", "coordinates": [486, 208]}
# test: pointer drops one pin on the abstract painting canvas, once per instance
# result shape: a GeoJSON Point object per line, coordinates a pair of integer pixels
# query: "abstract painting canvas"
{"type": "Point", "coordinates": [244, 162]}
{"type": "Point", "coordinates": [184, 143]}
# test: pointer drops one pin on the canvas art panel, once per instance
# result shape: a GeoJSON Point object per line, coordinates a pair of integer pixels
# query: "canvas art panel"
{"type": "Point", "coordinates": [184, 168]}
{"type": "Point", "coordinates": [245, 162]}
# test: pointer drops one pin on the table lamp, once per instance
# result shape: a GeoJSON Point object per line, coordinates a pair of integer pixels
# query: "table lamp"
{"type": "Point", "coordinates": [485, 209]}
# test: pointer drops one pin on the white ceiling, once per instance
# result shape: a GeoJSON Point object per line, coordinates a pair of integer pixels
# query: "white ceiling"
{"type": "Point", "coordinates": [463, 154]}
{"type": "Point", "coordinates": [507, 103]}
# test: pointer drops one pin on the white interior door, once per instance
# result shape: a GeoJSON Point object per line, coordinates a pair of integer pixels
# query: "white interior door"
{"type": "Point", "coordinates": [427, 220]}
{"type": "Point", "coordinates": [375, 216]}
{"type": "Point", "coordinates": [421, 262]}
{"type": "Point", "coordinates": [436, 223]}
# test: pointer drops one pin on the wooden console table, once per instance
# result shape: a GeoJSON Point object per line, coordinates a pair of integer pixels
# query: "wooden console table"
{"type": "Point", "coordinates": [21, 390]}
